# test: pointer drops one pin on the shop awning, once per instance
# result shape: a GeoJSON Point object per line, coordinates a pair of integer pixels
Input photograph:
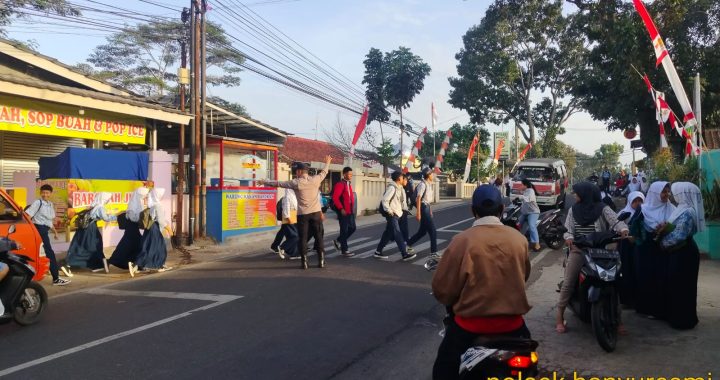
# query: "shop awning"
{"type": "Point", "coordinates": [83, 163]}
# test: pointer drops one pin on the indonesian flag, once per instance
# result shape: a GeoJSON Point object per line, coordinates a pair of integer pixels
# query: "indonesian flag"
{"type": "Point", "coordinates": [498, 151]}
{"type": "Point", "coordinates": [663, 57]}
{"type": "Point", "coordinates": [662, 114]}
{"type": "Point", "coordinates": [434, 115]}
{"type": "Point", "coordinates": [441, 156]}
{"type": "Point", "coordinates": [418, 144]}
{"type": "Point", "coordinates": [468, 163]}
{"type": "Point", "coordinates": [524, 152]}
{"type": "Point", "coordinates": [358, 130]}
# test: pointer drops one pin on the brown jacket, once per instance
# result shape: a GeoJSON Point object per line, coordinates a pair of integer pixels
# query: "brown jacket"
{"type": "Point", "coordinates": [483, 271]}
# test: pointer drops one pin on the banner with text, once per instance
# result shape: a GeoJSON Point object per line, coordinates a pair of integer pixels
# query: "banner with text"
{"type": "Point", "coordinates": [248, 209]}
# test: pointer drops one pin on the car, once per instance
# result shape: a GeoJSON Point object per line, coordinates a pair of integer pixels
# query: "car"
{"type": "Point", "coordinates": [548, 175]}
{"type": "Point", "coordinates": [25, 233]}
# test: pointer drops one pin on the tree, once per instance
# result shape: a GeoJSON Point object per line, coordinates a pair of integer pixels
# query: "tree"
{"type": "Point", "coordinates": [386, 154]}
{"type": "Point", "coordinates": [614, 93]}
{"type": "Point", "coordinates": [375, 80]}
{"type": "Point", "coordinates": [518, 65]}
{"type": "Point", "coordinates": [608, 156]}
{"type": "Point", "coordinates": [405, 75]}
{"type": "Point", "coordinates": [16, 8]}
{"type": "Point", "coordinates": [142, 58]}
{"type": "Point", "coordinates": [456, 154]}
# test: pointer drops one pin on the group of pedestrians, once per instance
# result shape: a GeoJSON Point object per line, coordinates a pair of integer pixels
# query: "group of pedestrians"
{"type": "Point", "coordinates": [301, 217]}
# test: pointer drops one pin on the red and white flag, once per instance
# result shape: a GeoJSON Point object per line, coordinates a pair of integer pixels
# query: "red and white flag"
{"type": "Point", "coordinates": [434, 115]}
{"type": "Point", "coordinates": [663, 57]}
{"type": "Point", "coordinates": [359, 129]}
{"type": "Point", "coordinates": [522, 154]}
{"type": "Point", "coordinates": [443, 148]}
{"type": "Point", "coordinates": [471, 153]}
{"type": "Point", "coordinates": [414, 153]}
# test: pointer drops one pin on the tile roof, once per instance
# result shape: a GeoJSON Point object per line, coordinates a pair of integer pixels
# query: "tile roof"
{"type": "Point", "coordinates": [712, 138]}
{"type": "Point", "coordinates": [307, 150]}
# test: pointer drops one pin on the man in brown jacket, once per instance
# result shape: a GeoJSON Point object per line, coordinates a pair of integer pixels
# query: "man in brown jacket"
{"type": "Point", "coordinates": [481, 279]}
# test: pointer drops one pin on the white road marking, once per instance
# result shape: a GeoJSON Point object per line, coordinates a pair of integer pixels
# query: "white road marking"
{"type": "Point", "coordinates": [335, 252]}
{"type": "Point", "coordinates": [421, 247]}
{"type": "Point", "coordinates": [539, 256]}
{"type": "Point", "coordinates": [219, 299]}
{"type": "Point", "coordinates": [453, 231]}
{"type": "Point", "coordinates": [444, 228]}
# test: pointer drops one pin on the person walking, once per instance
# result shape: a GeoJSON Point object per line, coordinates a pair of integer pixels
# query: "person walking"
{"type": "Point", "coordinates": [606, 179]}
{"type": "Point", "coordinates": [288, 249]}
{"type": "Point", "coordinates": [42, 214]}
{"type": "Point", "coordinates": [86, 247]}
{"type": "Point", "coordinates": [153, 252]}
{"type": "Point", "coordinates": [306, 189]}
{"type": "Point", "coordinates": [404, 229]}
{"type": "Point", "coordinates": [129, 246]}
{"type": "Point", "coordinates": [530, 212]}
{"type": "Point", "coordinates": [424, 195]}
{"type": "Point", "coordinates": [392, 204]}
{"type": "Point", "coordinates": [627, 282]}
{"type": "Point", "coordinates": [483, 289]}
{"type": "Point", "coordinates": [343, 198]}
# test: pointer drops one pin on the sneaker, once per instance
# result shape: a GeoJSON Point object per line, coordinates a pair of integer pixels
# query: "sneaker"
{"type": "Point", "coordinates": [296, 257]}
{"type": "Point", "coordinates": [132, 269]}
{"type": "Point", "coordinates": [348, 254]}
{"type": "Point", "coordinates": [409, 256]}
{"type": "Point", "coordinates": [281, 253]}
{"type": "Point", "coordinates": [380, 255]}
{"type": "Point", "coordinates": [96, 270]}
{"type": "Point", "coordinates": [435, 256]}
{"type": "Point", "coordinates": [164, 269]}
{"type": "Point", "coordinates": [105, 265]}
{"type": "Point", "coordinates": [409, 249]}
{"type": "Point", "coordinates": [274, 249]}
{"type": "Point", "coordinates": [66, 271]}
{"type": "Point", "coordinates": [336, 244]}
{"type": "Point", "coordinates": [61, 282]}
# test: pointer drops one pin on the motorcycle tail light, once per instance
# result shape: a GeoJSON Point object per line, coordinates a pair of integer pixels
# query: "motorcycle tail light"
{"type": "Point", "coordinates": [517, 225]}
{"type": "Point", "coordinates": [518, 361]}
{"type": "Point", "coordinates": [534, 357]}
{"type": "Point", "coordinates": [582, 278]}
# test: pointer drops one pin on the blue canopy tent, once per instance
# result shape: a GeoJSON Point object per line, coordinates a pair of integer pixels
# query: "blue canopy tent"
{"type": "Point", "coordinates": [84, 163]}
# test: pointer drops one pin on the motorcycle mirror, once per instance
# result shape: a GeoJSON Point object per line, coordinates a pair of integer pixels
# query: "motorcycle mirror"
{"type": "Point", "coordinates": [623, 216]}
{"type": "Point", "coordinates": [11, 230]}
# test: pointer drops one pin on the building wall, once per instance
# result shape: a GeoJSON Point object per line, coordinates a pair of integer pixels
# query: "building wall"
{"type": "Point", "coordinates": [21, 152]}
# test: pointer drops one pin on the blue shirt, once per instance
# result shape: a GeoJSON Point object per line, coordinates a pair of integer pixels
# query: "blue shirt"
{"type": "Point", "coordinates": [42, 212]}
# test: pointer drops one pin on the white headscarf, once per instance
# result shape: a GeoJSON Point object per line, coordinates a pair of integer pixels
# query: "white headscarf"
{"type": "Point", "coordinates": [632, 197]}
{"type": "Point", "coordinates": [156, 209]}
{"type": "Point", "coordinates": [643, 184]}
{"type": "Point", "coordinates": [688, 197]}
{"type": "Point", "coordinates": [97, 208]}
{"type": "Point", "coordinates": [654, 210]}
{"type": "Point", "coordinates": [135, 204]}
{"type": "Point", "coordinates": [634, 186]}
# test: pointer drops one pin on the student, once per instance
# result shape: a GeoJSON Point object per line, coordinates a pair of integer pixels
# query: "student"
{"type": "Point", "coordinates": [153, 251]}
{"type": "Point", "coordinates": [392, 203]}
{"type": "Point", "coordinates": [425, 196]}
{"type": "Point", "coordinates": [129, 246]}
{"type": "Point", "coordinates": [406, 212]}
{"type": "Point", "coordinates": [343, 199]}
{"type": "Point", "coordinates": [289, 248]}
{"type": "Point", "coordinates": [86, 247]}
{"type": "Point", "coordinates": [42, 214]}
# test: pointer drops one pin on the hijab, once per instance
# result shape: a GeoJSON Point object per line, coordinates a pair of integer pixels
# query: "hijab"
{"type": "Point", "coordinates": [630, 199]}
{"type": "Point", "coordinates": [634, 184]}
{"type": "Point", "coordinates": [688, 197]}
{"type": "Point", "coordinates": [654, 210]}
{"type": "Point", "coordinates": [98, 205]}
{"type": "Point", "coordinates": [156, 208]}
{"type": "Point", "coordinates": [135, 204]}
{"type": "Point", "coordinates": [590, 207]}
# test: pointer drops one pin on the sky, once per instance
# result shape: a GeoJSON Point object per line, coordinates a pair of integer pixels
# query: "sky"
{"type": "Point", "coordinates": [340, 32]}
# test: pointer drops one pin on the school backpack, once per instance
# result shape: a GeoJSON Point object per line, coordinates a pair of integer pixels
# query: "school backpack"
{"type": "Point", "coordinates": [146, 220]}
{"type": "Point", "coordinates": [83, 219]}
{"type": "Point", "coordinates": [279, 210]}
{"type": "Point", "coordinates": [381, 209]}
{"type": "Point", "coordinates": [415, 194]}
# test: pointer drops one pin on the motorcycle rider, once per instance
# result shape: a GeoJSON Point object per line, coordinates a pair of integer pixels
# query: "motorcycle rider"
{"type": "Point", "coordinates": [589, 214]}
{"type": "Point", "coordinates": [4, 269]}
{"type": "Point", "coordinates": [483, 290]}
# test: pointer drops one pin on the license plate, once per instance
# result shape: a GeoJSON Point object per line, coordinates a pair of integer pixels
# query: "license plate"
{"type": "Point", "coordinates": [475, 355]}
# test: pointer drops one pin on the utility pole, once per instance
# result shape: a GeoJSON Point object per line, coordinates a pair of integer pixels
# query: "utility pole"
{"type": "Point", "coordinates": [195, 131]}
{"type": "Point", "coordinates": [183, 79]}
{"type": "Point", "coordinates": [203, 123]}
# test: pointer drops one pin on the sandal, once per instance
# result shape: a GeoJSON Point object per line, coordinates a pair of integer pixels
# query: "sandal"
{"type": "Point", "coordinates": [561, 327]}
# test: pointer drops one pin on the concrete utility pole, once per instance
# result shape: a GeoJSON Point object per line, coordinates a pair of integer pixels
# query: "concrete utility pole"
{"type": "Point", "coordinates": [183, 79]}
{"type": "Point", "coordinates": [195, 138]}
{"type": "Point", "coordinates": [203, 124]}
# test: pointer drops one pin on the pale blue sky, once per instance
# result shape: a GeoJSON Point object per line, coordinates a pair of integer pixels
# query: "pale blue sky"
{"type": "Point", "coordinates": [340, 32]}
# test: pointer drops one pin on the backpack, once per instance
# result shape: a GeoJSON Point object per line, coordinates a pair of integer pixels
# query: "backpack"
{"type": "Point", "coordinates": [381, 209]}
{"type": "Point", "coordinates": [279, 210]}
{"type": "Point", "coordinates": [409, 191]}
{"type": "Point", "coordinates": [415, 194]}
{"type": "Point", "coordinates": [146, 220]}
{"type": "Point", "coordinates": [83, 219]}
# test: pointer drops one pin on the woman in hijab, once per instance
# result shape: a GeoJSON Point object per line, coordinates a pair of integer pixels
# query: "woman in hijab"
{"type": "Point", "coordinates": [627, 248]}
{"type": "Point", "coordinates": [86, 247]}
{"type": "Point", "coordinates": [634, 184]}
{"type": "Point", "coordinates": [153, 252]}
{"type": "Point", "coordinates": [589, 214]}
{"type": "Point", "coordinates": [650, 264]}
{"type": "Point", "coordinates": [683, 255]}
{"type": "Point", "coordinates": [129, 246]}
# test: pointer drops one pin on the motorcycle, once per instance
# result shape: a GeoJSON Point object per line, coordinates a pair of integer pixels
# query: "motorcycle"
{"type": "Point", "coordinates": [24, 299]}
{"type": "Point", "coordinates": [550, 226]}
{"type": "Point", "coordinates": [499, 357]}
{"type": "Point", "coordinates": [595, 298]}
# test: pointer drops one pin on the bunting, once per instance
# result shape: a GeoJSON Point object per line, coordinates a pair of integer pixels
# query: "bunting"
{"type": "Point", "coordinates": [468, 163]}
{"type": "Point", "coordinates": [414, 153]}
{"type": "Point", "coordinates": [441, 156]}
{"type": "Point", "coordinates": [359, 129]}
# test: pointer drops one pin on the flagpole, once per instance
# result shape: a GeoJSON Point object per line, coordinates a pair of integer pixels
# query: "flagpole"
{"type": "Point", "coordinates": [698, 116]}
{"type": "Point", "coordinates": [432, 118]}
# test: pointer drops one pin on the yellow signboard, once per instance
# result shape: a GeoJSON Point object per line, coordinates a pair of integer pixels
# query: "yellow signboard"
{"type": "Point", "coordinates": [248, 209]}
{"type": "Point", "coordinates": [18, 119]}
{"type": "Point", "coordinates": [71, 196]}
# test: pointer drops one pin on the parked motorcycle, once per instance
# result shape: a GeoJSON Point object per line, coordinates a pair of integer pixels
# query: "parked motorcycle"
{"type": "Point", "coordinates": [550, 225]}
{"type": "Point", "coordinates": [595, 298]}
{"type": "Point", "coordinates": [24, 299]}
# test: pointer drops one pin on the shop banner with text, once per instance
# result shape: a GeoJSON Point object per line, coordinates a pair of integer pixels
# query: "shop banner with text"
{"type": "Point", "coordinates": [23, 120]}
{"type": "Point", "coordinates": [248, 209]}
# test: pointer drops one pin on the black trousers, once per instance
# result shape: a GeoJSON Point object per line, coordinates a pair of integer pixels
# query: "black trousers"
{"type": "Point", "coordinates": [279, 236]}
{"type": "Point", "coordinates": [310, 225]}
{"type": "Point", "coordinates": [44, 232]}
{"type": "Point", "coordinates": [455, 343]}
{"type": "Point", "coordinates": [347, 228]}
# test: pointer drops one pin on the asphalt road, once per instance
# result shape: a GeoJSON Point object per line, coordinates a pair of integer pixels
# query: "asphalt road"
{"type": "Point", "coordinates": [252, 316]}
